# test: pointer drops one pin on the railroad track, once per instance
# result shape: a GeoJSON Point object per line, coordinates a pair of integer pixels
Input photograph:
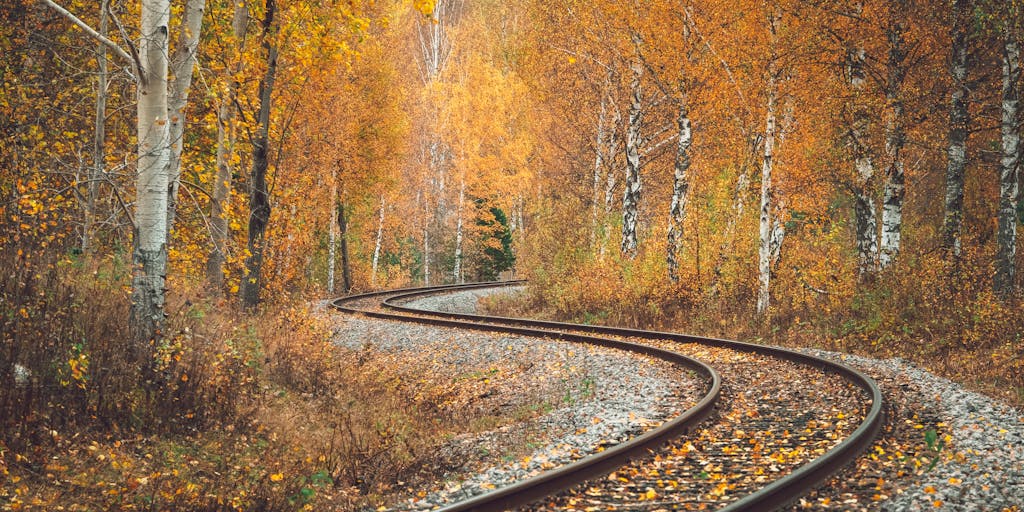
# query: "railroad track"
{"type": "Point", "coordinates": [776, 433]}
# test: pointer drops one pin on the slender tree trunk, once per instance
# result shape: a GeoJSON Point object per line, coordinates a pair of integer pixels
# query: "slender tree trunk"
{"type": "Point", "coordinates": [226, 133]}
{"type": "Point", "coordinates": [764, 248]}
{"type": "Point", "coordinates": [680, 188]}
{"type": "Point", "coordinates": [892, 202]}
{"type": "Point", "coordinates": [149, 257]}
{"type": "Point", "coordinates": [346, 263]}
{"type": "Point", "coordinates": [183, 62]}
{"type": "Point", "coordinates": [598, 167]}
{"type": "Point", "coordinates": [332, 230]}
{"type": "Point", "coordinates": [1006, 259]}
{"type": "Point", "coordinates": [99, 148]}
{"type": "Point", "coordinates": [259, 200]}
{"type": "Point", "coordinates": [865, 212]}
{"type": "Point", "coordinates": [426, 253]}
{"type": "Point", "coordinates": [631, 194]}
{"type": "Point", "coordinates": [958, 129]}
{"type": "Point", "coordinates": [377, 245]}
{"type": "Point", "coordinates": [457, 274]}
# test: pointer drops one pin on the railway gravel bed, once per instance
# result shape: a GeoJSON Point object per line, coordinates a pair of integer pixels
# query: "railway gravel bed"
{"type": "Point", "coordinates": [943, 448]}
{"type": "Point", "coordinates": [585, 398]}
{"type": "Point", "coordinates": [776, 415]}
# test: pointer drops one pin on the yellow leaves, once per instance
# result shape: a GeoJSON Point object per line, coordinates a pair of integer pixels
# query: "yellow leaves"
{"type": "Point", "coordinates": [276, 477]}
{"type": "Point", "coordinates": [425, 7]}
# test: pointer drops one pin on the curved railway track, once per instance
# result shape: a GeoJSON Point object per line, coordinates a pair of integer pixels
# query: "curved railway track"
{"type": "Point", "coordinates": [770, 443]}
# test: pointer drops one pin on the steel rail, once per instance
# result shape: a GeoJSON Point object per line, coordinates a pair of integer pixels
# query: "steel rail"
{"type": "Point", "coordinates": [780, 492]}
{"type": "Point", "coordinates": [563, 477]}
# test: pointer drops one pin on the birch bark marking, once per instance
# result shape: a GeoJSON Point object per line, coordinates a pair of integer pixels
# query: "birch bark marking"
{"type": "Point", "coordinates": [259, 199]}
{"type": "Point", "coordinates": [182, 64]}
{"type": "Point", "coordinates": [226, 136]}
{"type": "Point", "coordinates": [332, 230]}
{"type": "Point", "coordinates": [680, 188]}
{"type": "Point", "coordinates": [765, 228]}
{"type": "Point", "coordinates": [958, 123]}
{"type": "Point", "coordinates": [631, 194]}
{"type": "Point", "coordinates": [865, 214]}
{"type": "Point", "coordinates": [149, 257]}
{"type": "Point", "coordinates": [346, 261]}
{"type": "Point", "coordinates": [895, 138]}
{"type": "Point", "coordinates": [457, 273]}
{"type": "Point", "coordinates": [1006, 258]}
{"type": "Point", "coordinates": [376, 246]}
{"type": "Point", "coordinates": [598, 166]}
{"type": "Point", "coordinates": [99, 136]}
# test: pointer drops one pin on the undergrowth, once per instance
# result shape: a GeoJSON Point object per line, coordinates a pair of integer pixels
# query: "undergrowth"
{"type": "Point", "coordinates": [245, 412]}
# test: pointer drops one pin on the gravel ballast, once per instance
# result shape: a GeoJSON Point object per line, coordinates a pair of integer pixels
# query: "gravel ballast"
{"type": "Point", "coordinates": [981, 466]}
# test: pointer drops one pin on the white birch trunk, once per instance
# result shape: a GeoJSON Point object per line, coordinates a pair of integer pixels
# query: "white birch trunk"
{"type": "Point", "coordinates": [633, 185]}
{"type": "Point", "coordinates": [1006, 258]}
{"type": "Point", "coordinates": [680, 189]}
{"type": "Point", "coordinates": [765, 230]}
{"type": "Point", "coordinates": [377, 244]}
{"type": "Point", "coordinates": [865, 211]}
{"type": "Point", "coordinates": [332, 231]}
{"type": "Point", "coordinates": [457, 273]}
{"type": "Point", "coordinates": [892, 201]}
{"type": "Point", "coordinates": [958, 123]}
{"type": "Point", "coordinates": [598, 167]}
{"type": "Point", "coordinates": [182, 65]}
{"type": "Point", "coordinates": [149, 258]}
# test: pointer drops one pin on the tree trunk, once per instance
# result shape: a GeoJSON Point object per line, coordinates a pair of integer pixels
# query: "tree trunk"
{"type": "Point", "coordinates": [865, 212]}
{"type": "Point", "coordinates": [99, 136]}
{"type": "Point", "coordinates": [149, 257]}
{"type": "Point", "coordinates": [598, 167]}
{"type": "Point", "coordinates": [225, 151]}
{"type": "Point", "coordinates": [457, 273]}
{"type": "Point", "coordinates": [1006, 258]}
{"type": "Point", "coordinates": [631, 194]}
{"type": "Point", "coordinates": [332, 230]}
{"type": "Point", "coordinates": [892, 201]}
{"type": "Point", "coordinates": [377, 245]}
{"type": "Point", "coordinates": [680, 188]}
{"type": "Point", "coordinates": [766, 230]}
{"type": "Point", "coordinates": [958, 125]}
{"type": "Point", "coordinates": [259, 200]}
{"type": "Point", "coordinates": [346, 264]}
{"type": "Point", "coordinates": [182, 64]}
{"type": "Point", "coordinates": [426, 251]}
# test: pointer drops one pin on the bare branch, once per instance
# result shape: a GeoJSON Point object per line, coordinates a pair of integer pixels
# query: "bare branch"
{"type": "Point", "coordinates": [120, 52]}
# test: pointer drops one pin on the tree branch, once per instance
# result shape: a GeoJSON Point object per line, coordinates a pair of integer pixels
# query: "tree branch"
{"type": "Point", "coordinates": [120, 52]}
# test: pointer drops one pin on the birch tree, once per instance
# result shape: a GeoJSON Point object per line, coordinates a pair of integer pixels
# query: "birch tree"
{"type": "Point", "coordinates": [149, 64]}
{"type": "Point", "coordinates": [631, 194]}
{"type": "Point", "coordinates": [895, 137]}
{"type": "Point", "coordinates": [1009, 163]}
{"type": "Point", "coordinates": [959, 68]}
{"type": "Point", "coordinates": [767, 232]}
{"type": "Point", "coordinates": [865, 213]}
{"type": "Point", "coordinates": [680, 186]}
{"type": "Point", "coordinates": [182, 64]}
{"type": "Point", "coordinates": [226, 138]}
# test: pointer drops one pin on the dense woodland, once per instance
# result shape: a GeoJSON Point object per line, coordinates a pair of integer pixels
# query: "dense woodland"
{"type": "Point", "coordinates": [180, 179]}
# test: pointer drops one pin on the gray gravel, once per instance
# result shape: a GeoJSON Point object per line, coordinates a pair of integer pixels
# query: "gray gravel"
{"type": "Point", "coordinates": [612, 395]}
{"type": "Point", "coordinates": [989, 435]}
